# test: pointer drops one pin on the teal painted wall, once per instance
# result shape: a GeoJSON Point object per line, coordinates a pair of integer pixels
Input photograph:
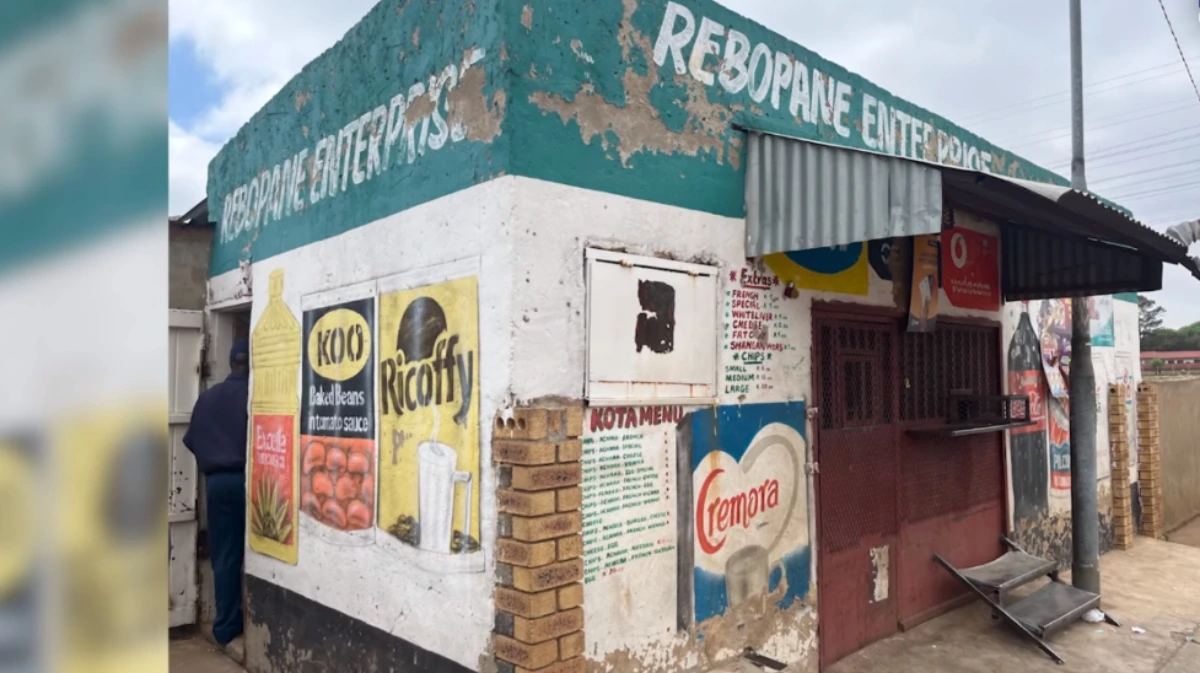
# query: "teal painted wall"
{"type": "Point", "coordinates": [445, 132]}
{"type": "Point", "coordinates": [611, 107]}
{"type": "Point", "coordinates": [596, 94]}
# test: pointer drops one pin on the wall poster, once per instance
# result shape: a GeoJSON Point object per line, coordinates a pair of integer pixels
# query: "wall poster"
{"type": "Point", "coordinates": [629, 523]}
{"type": "Point", "coordinates": [429, 416]}
{"type": "Point", "coordinates": [923, 298]}
{"type": "Point", "coordinates": [1060, 444]}
{"type": "Point", "coordinates": [971, 269]}
{"type": "Point", "coordinates": [1027, 444]}
{"type": "Point", "coordinates": [841, 268]}
{"type": "Point", "coordinates": [337, 415]}
{"type": "Point", "coordinates": [1100, 310]}
{"type": "Point", "coordinates": [274, 407]}
{"type": "Point", "coordinates": [1055, 321]}
{"type": "Point", "coordinates": [750, 507]}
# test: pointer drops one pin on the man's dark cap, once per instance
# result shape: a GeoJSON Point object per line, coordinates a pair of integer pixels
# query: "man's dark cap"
{"type": "Point", "coordinates": [240, 353]}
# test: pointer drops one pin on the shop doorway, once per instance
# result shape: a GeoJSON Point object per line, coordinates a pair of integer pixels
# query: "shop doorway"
{"type": "Point", "coordinates": [890, 490]}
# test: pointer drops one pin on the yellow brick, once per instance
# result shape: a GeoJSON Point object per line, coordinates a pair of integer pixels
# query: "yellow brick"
{"type": "Point", "coordinates": [524, 654]}
{"type": "Point", "coordinates": [566, 423]}
{"type": "Point", "coordinates": [574, 421]}
{"type": "Point", "coordinates": [570, 646]}
{"type": "Point", "coordinates": [526, 604]}
{"type": "Point", "coordinates": [568, 499]}
{"type": "Point", "coordinates": [547, 628]}
{"type": "Point", "coordinates": [545, 477]}
{"type": "Point", "coordinates": [525, 554]}
{"type": "Point", "coordinates": [521, 424]}
{"type": "Point", "coordinates": [569, 547]}
{"type": "Point", "coordinates": [549, 576]}
{"type": "Point", "coordinates": [570, 450]}
{"type": "Point", "coordinates": [526, 503]}
{"type": "Point", "coordinates": [570, 596]}
{"type": "Point", "coordinates": [521, 452]}
{"type": "Point", "coordinates": [532, 529]}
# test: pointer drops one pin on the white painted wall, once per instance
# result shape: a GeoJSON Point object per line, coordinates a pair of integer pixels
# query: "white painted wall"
{"type": "Point", "coordinates": [552, 225]}
{"type": "Point", "coordinates": [385, 583]}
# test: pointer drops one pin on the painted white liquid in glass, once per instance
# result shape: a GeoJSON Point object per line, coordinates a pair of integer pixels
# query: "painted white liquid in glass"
{"type": "Point", "coordinates": [436, 480]}
{"type": "Point", "coordinates": [746, 574]}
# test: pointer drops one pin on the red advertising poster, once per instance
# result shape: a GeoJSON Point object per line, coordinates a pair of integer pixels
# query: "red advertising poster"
{"type": "Point", "coordinates": [971, 269]}
{"type": "Point", "coordinates": [272, 487]}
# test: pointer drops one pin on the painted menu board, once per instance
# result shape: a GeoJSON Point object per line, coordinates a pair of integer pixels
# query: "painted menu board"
{"type": "Point", "coordinates": [429, 416]}
{"type": "Point", "coordinates": [629, 522]}
{"type": "Point", "coordinates": [337, 415]}
{"type": "Point", "coordinates": [758, 336]}
{"type": "Point", "coordinates": [751, 537]}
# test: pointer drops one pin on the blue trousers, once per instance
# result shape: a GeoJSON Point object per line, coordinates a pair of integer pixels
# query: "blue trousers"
{"type": "Point", "coordinates": [226, 493]}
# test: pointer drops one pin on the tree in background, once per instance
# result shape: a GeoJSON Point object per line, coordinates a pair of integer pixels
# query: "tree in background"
{"type": "Point", "coordinates": [1157, 365]}
{"type": "Point", "coordinates": [1149, 319]}
{"type": "Point", "coordinates": [1167, 339]}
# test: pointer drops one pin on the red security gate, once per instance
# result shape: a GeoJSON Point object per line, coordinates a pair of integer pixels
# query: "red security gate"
{"type": "Point", "coordinates": [888, 499]}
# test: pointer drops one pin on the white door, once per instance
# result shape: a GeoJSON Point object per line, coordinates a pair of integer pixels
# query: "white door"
{"type": "Point", "coordinates": [186, 344]}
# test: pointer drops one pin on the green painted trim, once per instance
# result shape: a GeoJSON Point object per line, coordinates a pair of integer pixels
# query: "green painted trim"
{"type": "Point", "coordinates": [572, 92]}
{"type": "Point", "coordinates": [383, 77]}
{"type": "Point", "coordinates": [1130, 297]}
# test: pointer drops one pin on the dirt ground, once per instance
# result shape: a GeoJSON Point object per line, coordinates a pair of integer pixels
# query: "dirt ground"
{"type": "Point", "coordinates": [194, 654]}
{"type": "Point", "coordinates": [1155, 587]}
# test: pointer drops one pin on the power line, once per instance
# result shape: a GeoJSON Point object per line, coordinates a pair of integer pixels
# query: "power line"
{"type": "Point", "coordinates": [1098, 127]}
{"type": "Point", "coordinates": [1139, 153]}
{"type": "Point", "coordinates": [977, 116]}
{"type": "Point", "coordinates": [1179, 48]}
{"type": "Point", "coordinates": [1134, 146]}
{"type": "Point", "coordinates": [1190, 162]}
{"type": "Point", "coordinates": [1155, 191]}
{"type": "Point", "coordinates": [1022, 108]}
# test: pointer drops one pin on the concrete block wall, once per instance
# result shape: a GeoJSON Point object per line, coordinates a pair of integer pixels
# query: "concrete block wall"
{"type": "Point", "coordinates": [539, 553]}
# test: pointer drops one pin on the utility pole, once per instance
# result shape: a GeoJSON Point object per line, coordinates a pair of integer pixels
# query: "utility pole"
{"type": "Point", "coordinates": [1085, 516]}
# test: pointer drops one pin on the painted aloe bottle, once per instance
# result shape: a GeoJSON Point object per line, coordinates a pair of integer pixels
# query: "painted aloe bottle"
{"type": "Point", "coordinates": [274, 408]}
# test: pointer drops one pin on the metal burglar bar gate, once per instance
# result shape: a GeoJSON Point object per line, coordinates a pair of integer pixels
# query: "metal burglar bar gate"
{"type": "Point", "coordinates": [887, 499]}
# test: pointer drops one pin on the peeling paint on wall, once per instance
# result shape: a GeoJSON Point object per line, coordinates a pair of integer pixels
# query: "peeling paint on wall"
{"type": "Point", "coordinates": [385, 123]}
{"type": "Point", "coordinates": [664, 82]}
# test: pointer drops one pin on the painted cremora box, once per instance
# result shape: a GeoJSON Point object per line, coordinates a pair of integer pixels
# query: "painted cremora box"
{"type": "Point", "coordinates": [751, 537]}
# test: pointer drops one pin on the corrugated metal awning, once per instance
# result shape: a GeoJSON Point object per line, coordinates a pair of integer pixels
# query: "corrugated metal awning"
{"type": "Point", "coordinates": [1057, 241]}
{"type": "Point", "coordinates": [802, 195]}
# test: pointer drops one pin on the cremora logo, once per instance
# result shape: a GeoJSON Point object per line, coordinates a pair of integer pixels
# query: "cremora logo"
{"type": "Point", "coordinates": [716, 514]}
{"type": "Point", "coordinates": [339, 345]}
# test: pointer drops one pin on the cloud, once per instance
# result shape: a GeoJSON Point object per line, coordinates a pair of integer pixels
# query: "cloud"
{"type": "Point", "coordinates": [189, 157]}
{"type": "Point", "coordinates": [255, 46]}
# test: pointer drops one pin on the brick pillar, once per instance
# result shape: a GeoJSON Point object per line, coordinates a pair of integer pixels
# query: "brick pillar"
{"type": "Point", "coordinates": [1118, 434]}
{"type": "Point", "coordinates": [539, 556]}
{"type": "Point", "coordinates": [1149, 463]}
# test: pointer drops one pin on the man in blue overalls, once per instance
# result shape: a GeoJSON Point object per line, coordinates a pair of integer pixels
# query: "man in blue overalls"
{"type": "Point", "coordinates": [217, 437]}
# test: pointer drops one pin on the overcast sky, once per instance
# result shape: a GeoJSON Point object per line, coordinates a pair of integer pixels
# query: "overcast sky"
{"type": "Point", "coordinates": [999, 68]}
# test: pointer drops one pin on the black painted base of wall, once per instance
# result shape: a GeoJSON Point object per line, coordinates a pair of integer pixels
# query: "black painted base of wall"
{"type": "Point", "coordinates": [288, 633]}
